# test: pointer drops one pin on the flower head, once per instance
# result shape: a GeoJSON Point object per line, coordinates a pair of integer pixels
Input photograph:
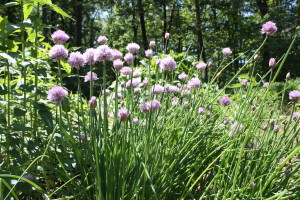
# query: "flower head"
{"type": "Point", "coordinates": [295, 115]}
{"type": "Point", "coordinates": [167, 64]}
{"type": "Point", "coordinates": [175, 100]}
{"type": "Point", "coordinates": [244, 82]}
{"type": "Point", "coordinates": [118, 64]}
{"type": "Point", "coordinates": [128, 58]}
{"type": "Point", "coordinates": [194, 83]}
{"type": "Point", "coordinates": [269, 28]}
{"type": "Point", "coordinates": [145, 107]}
{"type": "Point", "coordinates": [272, 63]}
{"type": "Point", "coordinates": [132, 83]}
{"type": "Point", "coordinates": [276, 128]}
{"type": "Point", "coordinates": [172, 89]}
{"type": "Point", "coordinates": [136, 73]}
{"type": "Point", "coordinates": [93, 102]}
{"type": "Point", "coordinates": [225, 101]}
{"type": "Point", "coordinates": [149, 53]}
{"type": "Point", "coordinates": [137, 90]}
{"type": "Point", "coordinates": [103, 53]}
{"type": "Point", "coordinates": [294, 95]}
{"type": "Point", "coordinates": [182, 76]}
{"type": "Point", "coordinates": [126, 71]}
{"type": "Point", "coordinates": [56, 95]}
{"type": "Point", "coordinates": [167, 36]}
{"type": "Point", "coordinates": [132, 47]}
{"type": "Point", "coordinates": [59, 37]}
{"type": "Point", "coordinates": [116, 54]}
{"type": "Point", "coordinates": [58, 52]}
{"type": "Point", "coordinates": [123, 114]}
{"type": "Point", "coordinates": [87, 77]}
{"type": "Point", "coordinates": [157, 89]}
{"type": "Point", "coordinates": [201, 66]}
{"type": "Point", "coordinates": [266, 85]}
{"type": "Point", "coordinates": [201, 111]}
{"type": "Point", "coordinates": [155, 104]}
{"type": "Point", "coordinates": [76, 60]}
{"type": "Point", "coordinates": [102, 39]}
{"type": "Point", "coordinates": [256, 57]}
{"type": "Point", "coordinates": [227, 51]}
{"type": "Point", "coordinates": [89, 55]}
{"type": "Point", "coordinates": [135, 121]}
{"type": "Point", "coordinates": [151, 44]}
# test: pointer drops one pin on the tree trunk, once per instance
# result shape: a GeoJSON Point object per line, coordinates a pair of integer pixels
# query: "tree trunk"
{"type": "Point", "coordinates": [200, 48]}
{"type": "Point", "coordinates": [143, 26]}
{"type": "Point", "coordinates": [45, 22]}
{"type": "Point", "coordinates": [78, 17]}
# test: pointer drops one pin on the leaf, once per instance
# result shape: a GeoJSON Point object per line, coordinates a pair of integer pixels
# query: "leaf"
{"type": "Point", "coordinates": [9, 4]}
{"type": "Point", "coordinates": [19, 112]}
{"type": "Point", "coordinates": [20, 127]}
{"type": "Point", "coordinates": [27, 9]}
{"type": "Point", "coordinates": [41, 106]}
{"type": "Point", "coordinates": [66, 66]}
{"type": "Point", "coordinates": [46, 117]}
{"type": "Point", "coordinates": [10, 60]}
{"type": "Point", "coordinates": [54, 7]}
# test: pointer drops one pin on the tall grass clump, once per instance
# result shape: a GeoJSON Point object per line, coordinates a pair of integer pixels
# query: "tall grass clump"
{"type": "Point", "coordinates": [158, 131]}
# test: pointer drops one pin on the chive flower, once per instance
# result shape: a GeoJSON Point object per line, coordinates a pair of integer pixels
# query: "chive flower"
{"type": "Point", "coordinates": [76, 60]}
{"type": "Point", "coordinates": [294, 95]}
{"type": "Point", "coordinates": [93, 102]}
{"type": "Point", "coordinates": [87, 77]}
{"type": "Point", "coordinates": [128, 58]}
{"type": "Point", "coordinates": [225, 101]}
{"type": "Point", "coordinates": [269, 28]}
{"type": "Point", "coordinates": [56, 95]}
{"type": "Point", "coordinates": [132, 47]}
{"type": "Point", "coordinates": [58, 52]}
{"type": "Point", "coordinates": [201, 66]}
{"type": "Point", "coordinates": [102, 39]}
{"type": "Point", "coordinates": [59, 37]}
{"type": "Point", "coordinates": [227, 51]}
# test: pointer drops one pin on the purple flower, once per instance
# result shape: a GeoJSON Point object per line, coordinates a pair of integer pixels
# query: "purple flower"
{"type": "Point", "coordinates": [272, 63]}
{"type": "Point", "coordinates": [157, 89]}
{"type": "Point", "coordinates": [134, 83]}
{"type": "Point", "coordinates": [87, 77]}
{"type": "Point", "coordinates": [157, 62]}
{"type": "Point", "coordinates": [185, 90]}
{"type": "Point", "coordinates": [244, 82]}
{"type": "Point", "coordinates": [145, 82]}
{"type": "Point", "coordinates": [182, 76]}
{"type": "Point", "coordinates": [225, 101]}
{"type": "Point", "coordinates": [119, 96]}
{"type": "Point", "coordinates": [116, 54]}
{"type": "Point", "coordinates": [76, 60]}
{"type": "Point", "coordinates": [93, 102]}
{"type": "Point", "coordinates": [89, 55]}
{"type": "Point", "coordinates": [272, 122]}
{"type": "Point", "coordinates": [201, 111]}
{"type": "Point", "coordinates": [128, 58]}
{"type": "Point", "coordinates": [59, 37]}
{"type": "Point", "coordinates": [103, 53]}
{"type": "Point", "coordinates": [167, 64]}
{"type": "Point", "coordinates": [155, 104]}
{"type": "Point", "coordinates": [118, 64]}
{"type": "Point", "coordinates": [266, 85]}
{"type": "Point", "coordinates": [149, 53]}
{"type": "Point", "coordinates": [276, 128]}
{"type": "Point", "coordinates": [145, 107]}
{"type": "Point", "coordinates": [137, 90]}
{"type": "Point", "coordinates": [294, 95]}
{"type": "Point", "coordinates": [295, 115]}
{"type": "Point", "coordinates": [226, 51]}
{"type": "Point", "coordinates": [175, 100]}
{"type": "Point", "coordinates": [201, 66]}
{"type": "Point", "coordinates": [123, 114]}
{"type": "Point", "coordinates": [235, 128]}
{"type": "Point", "coordinates": [132, 47]}
{"type": "Point", "coordinates": [172, 89]}
{"type": "Point", "coordinates": [136, 73]}
{"type": "Point", "coordinates": [102, 39]}
{"type": "Point", "coordinates": [194, 83]}
{"type": "Point", "coordinates": [265, 127]}
{"type": "Point", "coordinates": [58, 52]}
{"type": "Point", "coordinates": [269, 28]}
{"type": "Point", "coordinates": [56, 95]}
{"type": "Point", "coordinates": [135, 121]}
{"type": "Point", "coordinates": [126, 71]}
{"type": "Point", "coordinates": [167, 36]}
{"type": "Point", "coordinates": [151, 44]}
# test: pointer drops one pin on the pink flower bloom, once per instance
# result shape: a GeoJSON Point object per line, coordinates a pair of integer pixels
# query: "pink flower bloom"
{"type": "Point", "coordinates": [276, 128]}
{"type": "Point", "coordinates": [294, 95]}
{"type": "Point", "coordinates": [145, 82]}
{"type": "Point", "coordinates": [132, 47]}
{"type": "Point", "coordinates": [123, 114]}
{"type": "Point", "coordinates": [116, 54]}
{"type": "Point", "coordinates": [76, 60]}
{"type": "Point", "coordinates": [201, 66]}
{"type": "Point", "coordinates": [225, 101]}
{"type": "Point", "coordinates": [118, 64]}
{"type": "Point", "coordinates": [56, 95]}
{"type": "Point", "coordinates": [226, 51]}
{"type": "Point", "coordinates": [172, 89]}
{"type": "Point", "coordinates": [235, 128]}
{"type": "Point", "coordinates": [58, 52]}
{"type": "Point", "coordinates": [295, 115]}
{"type": "Point", "coordinates": [182, 76]}
{"type": "Point", "coordinates": [88, 76]}
{"type": "Point", "coordinates": [103, 53]}
{"type": "Point", "coordinates": [93, 102]}
{"type": "Point", "coordinates": [269, 28]}
{"type": "Point", "coordinates": [152, 44]}
{"type": "Point", "coordinates": [272, 122]}
{"type": "Point", "coordinates": [59, 37]}
{"type": "Point", "coordinates": [167, 36]}
{"type": "Point", "coordinates": [194, 83]}
{"type": "Point", "coordinates": [134, 83]}
{"type": "Point", "coordinates": [128, 58]}
{"type": "Point", "coordinates": [155, 104]}
{"type": "Point", "coordinates": [244, 82]}
{"type": "Point", "coordinates": [157, 89]}
{"type": "Point", "coordinates": [167, 64]}
{"type": "Point", "coordinates": [89, 55]}
{"type": "Point", "coordinates": [145, 107]}
{"type": "Point", "coordinates": [102, 39]}
{"type": "Point", "coordinates": [157, 62]}
{"type": "Point", "coordinates": [272, 63]}
{"type": "Point", "coordinates": [175, 100]}
{"type": "Point", "coordinates": [126, 71]}
{"type": "Point", "coordinates": [266, 85]}
{"type": "Point", "coordinates": [149, 53]}
{"type": "Point", "coordinates": [136, 73]}
{"type": "Point", "coordinates": [135, 121]}
{"type": "Point", "coordinates": [201, 111]}
{"type": "Point", "coordinates": [137, 90]}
